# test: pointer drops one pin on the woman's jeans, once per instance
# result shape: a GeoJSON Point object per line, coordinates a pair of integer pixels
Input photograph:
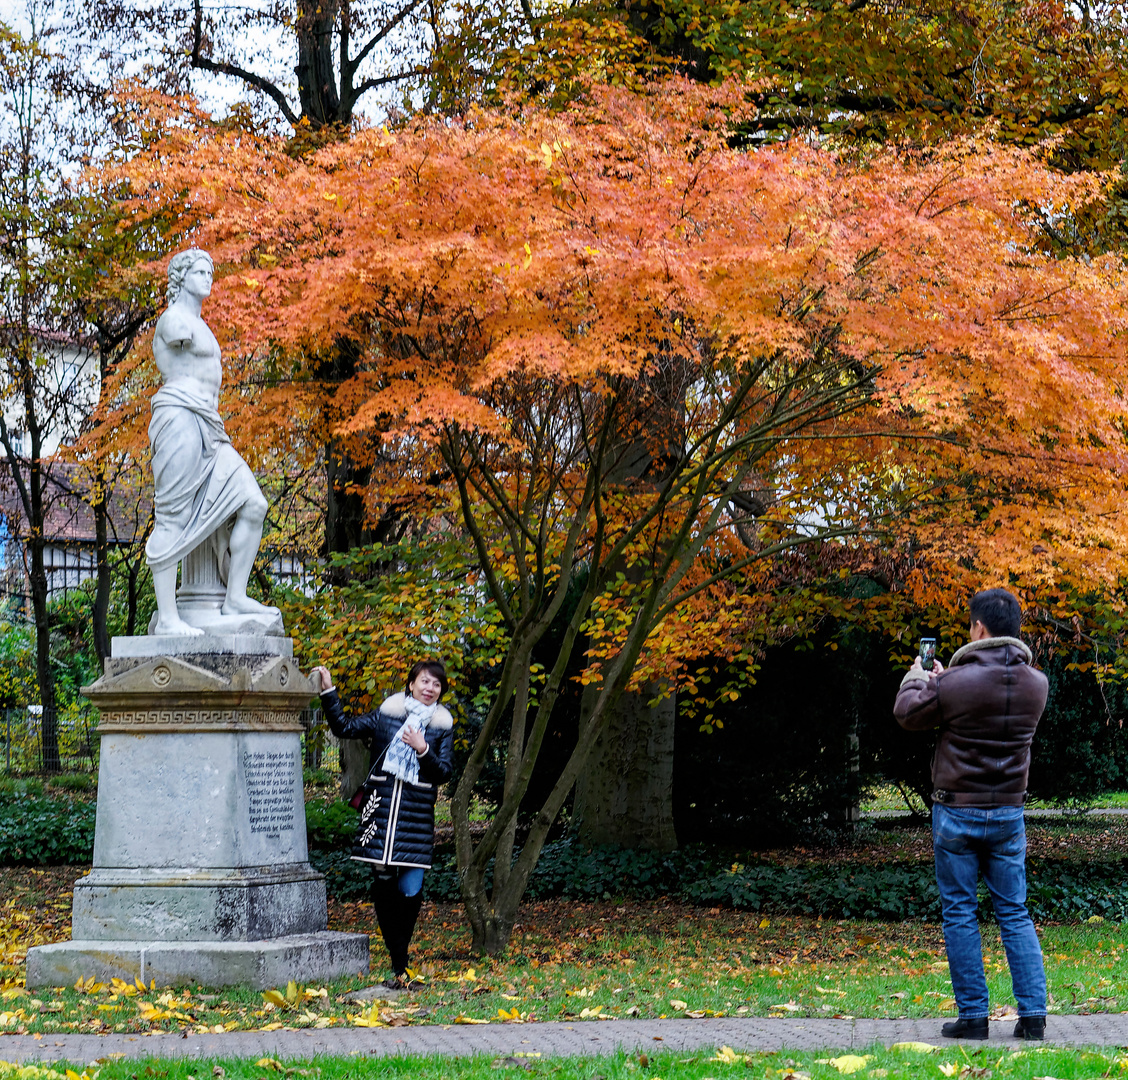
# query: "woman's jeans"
{"type": "Point", "coordinates": [410, 880]}
{"type": "Point", "coordinates": [966, 841]}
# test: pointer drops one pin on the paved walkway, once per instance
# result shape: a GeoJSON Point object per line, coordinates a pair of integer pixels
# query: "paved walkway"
{"type": "Point", "coordinates": [548, 1039]}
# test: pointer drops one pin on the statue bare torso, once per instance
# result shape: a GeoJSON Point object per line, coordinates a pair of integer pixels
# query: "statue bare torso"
{"type": "Point", "coordinates": [187, 355]}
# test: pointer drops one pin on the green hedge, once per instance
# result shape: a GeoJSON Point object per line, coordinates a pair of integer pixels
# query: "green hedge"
{"type": "Point", "coordinates": [36, 831]}
{"type": "Point", "coordinates": [834, 890]}
{"type": "Point", "coordinates": [346, 879]}
{"type": "Point", "coordinates": [1058, 890]}
{"type": "Point", "coordinates": [330, 826]}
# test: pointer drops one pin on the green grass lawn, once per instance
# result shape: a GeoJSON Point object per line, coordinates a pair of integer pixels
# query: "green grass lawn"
{"type": "Point", "coordinates": [575, 961]}
{"type": "Point", "coordinates": [1110, 800]}
{"type": "Point", "coordinates": [910, 1060]}
{"type": "Point", "coordinates": [888, 797]}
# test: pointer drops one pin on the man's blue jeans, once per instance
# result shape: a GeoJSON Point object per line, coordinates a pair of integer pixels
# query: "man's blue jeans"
{"type": "Point", "coordinates": [966, 841]}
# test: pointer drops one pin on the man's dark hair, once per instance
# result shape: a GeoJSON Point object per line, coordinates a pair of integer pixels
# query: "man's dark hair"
{"type": "Point", "coordinates": [998, 610]}
{"type": "Point", "coordinates": [432, 667]}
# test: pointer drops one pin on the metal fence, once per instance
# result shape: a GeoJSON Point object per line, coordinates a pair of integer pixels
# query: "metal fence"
{"type": "Point", "coordinates": [22, 744]}
{"type": "Point", "coordinates": [23, 749]}
{"type": "Point", "coordinates": [320, 749]}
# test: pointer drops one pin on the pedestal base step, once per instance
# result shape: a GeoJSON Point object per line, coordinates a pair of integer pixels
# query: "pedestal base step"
{"type": "Point", "coordinates": [305, 958]}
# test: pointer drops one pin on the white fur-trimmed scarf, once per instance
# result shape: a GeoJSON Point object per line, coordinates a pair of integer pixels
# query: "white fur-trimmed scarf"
{"type": "Point", "coordinates": [401, 759]}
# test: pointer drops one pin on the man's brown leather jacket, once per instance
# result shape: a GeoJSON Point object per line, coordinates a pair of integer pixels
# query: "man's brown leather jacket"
{"type": "Point", "coordinates": [986, 704]}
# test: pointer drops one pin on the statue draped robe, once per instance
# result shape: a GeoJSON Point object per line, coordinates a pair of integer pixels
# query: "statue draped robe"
{"type": "Point", "coordinates": [199, 479]}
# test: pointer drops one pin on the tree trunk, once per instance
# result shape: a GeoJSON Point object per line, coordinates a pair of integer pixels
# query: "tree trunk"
{"type": "Point", "coordinates": [345, 515]}
{"type": "Point", "coordinates": [355, 762]}
{"type": "Point", "coordinates": [346, 523]}
{"type": "Point", "coordinates": [49, 731]}
{"type": "Point", "coordinates": [492, 913]}
{"type": "Point", "coordinates": [132, 596]}
{"type": "Point", "coordinates": [625, 794]}
{"type": "Point", "coordinates": [853, 768]}
{"type": "Point", "coordinates": [490, 935]}
{"type": "Point", "coordinates": [317, 80]}
{"type": "Point", "coordinates": [645, 734]}
{"type": "Point", "coordinates": [100, 506]}
{"type": "Point", "coordinates": [346, 518]}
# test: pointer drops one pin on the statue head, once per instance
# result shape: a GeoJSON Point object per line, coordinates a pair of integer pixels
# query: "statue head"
{"type": "Point", "coordinates": [180, 264]}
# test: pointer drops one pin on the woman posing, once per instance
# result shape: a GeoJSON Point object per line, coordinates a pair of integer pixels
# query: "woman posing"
{"type": "Point", "coordinates": [410, 739]}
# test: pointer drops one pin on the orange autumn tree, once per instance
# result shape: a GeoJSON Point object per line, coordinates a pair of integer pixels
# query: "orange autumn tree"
{"type": "Point", "coordinates": [851, 351]}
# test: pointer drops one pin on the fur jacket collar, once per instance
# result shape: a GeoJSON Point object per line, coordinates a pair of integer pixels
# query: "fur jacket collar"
{"type": "Point", "coordinates": [396, 708]}
{"type": "Point", "coordinates": [990, 643]}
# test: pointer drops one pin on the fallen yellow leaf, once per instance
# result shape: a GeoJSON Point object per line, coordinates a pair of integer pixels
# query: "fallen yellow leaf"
{"type": "Point", "coordinates": [847, 1063]}
{"type": "Point", "coordinates": [150, 1012]}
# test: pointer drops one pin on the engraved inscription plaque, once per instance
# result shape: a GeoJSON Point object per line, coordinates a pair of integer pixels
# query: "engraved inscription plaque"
{"type": "Point", "coordinates": [270, 776]}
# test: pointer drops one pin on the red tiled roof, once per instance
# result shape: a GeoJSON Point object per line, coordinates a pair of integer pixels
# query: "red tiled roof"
{"type": "Point", "coordinates": [68, 516]}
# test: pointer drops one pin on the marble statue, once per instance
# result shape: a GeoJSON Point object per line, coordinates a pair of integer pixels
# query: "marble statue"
{"type": "Point", "coordinates": [208, 505]}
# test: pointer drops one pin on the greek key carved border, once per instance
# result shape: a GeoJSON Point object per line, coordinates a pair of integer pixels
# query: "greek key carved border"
{"type": "Point", "coordinates": [189, 720]}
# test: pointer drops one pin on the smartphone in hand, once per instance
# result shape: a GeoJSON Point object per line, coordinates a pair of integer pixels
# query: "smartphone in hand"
{"type": "Point", "coordinates": [927, 653]}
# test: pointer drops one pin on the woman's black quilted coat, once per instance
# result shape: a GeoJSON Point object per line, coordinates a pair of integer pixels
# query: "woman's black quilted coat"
{"type": "Point", "coordinates": [397, 819]}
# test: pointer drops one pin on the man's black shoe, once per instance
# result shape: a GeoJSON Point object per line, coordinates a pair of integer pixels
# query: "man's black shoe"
{"type": "Point", "coordinates": [1030, 1027]}
{"type": "Point", "coordinates": [967, 1029]}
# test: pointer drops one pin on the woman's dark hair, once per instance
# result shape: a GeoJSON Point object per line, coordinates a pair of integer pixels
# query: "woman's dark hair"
{"type": "Point", "coordinates": [998, 610]}
{"type": "Point", "coordinates": [432, 667]}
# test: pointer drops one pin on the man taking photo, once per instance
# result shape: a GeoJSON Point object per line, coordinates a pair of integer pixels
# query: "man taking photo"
{"type": "Point", "coordinates": [986, 706]}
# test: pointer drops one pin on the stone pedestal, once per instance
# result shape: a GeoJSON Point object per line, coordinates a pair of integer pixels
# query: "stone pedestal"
{"type": "Point", "coordinates": [201, 872]}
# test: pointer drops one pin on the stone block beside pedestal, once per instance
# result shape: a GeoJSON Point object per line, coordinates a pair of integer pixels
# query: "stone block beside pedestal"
{"type": "Point", "coordinates": [305, 958]}
{"type": "Point", "coordinates": [201, 872]}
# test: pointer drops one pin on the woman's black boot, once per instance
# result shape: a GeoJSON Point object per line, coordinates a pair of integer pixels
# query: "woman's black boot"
{"type": "Point", "coordinates": [409, 914]}
{"type": "Point", "coordinates": [385, 898]}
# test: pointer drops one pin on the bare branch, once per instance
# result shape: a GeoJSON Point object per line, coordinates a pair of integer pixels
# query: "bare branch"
{"type": "Point", "coordinates": [234, 71]}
